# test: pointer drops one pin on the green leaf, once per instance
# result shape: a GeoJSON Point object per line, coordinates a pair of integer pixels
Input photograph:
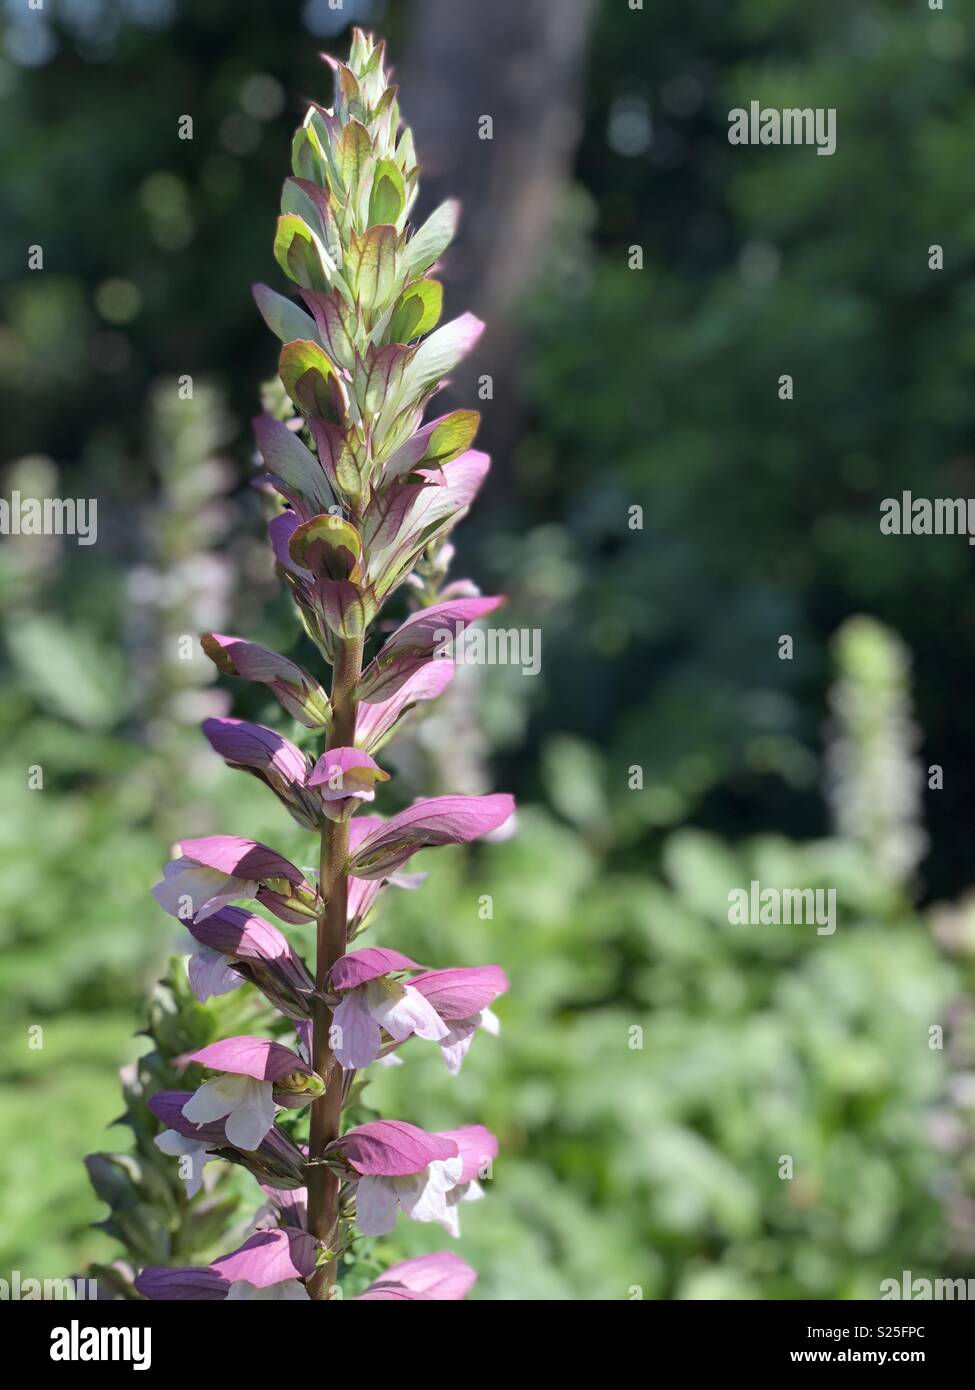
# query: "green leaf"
{"type": "Point", "coordinates": [343, 457]}
{"type": "Point", "coordinates": [286, 458]}
{"type": "Point", "coordinates": [348, 607]}
{"type": "Point", "coordinates": [355, 151]}
{"type": "Point", "coordinates": [309, 202]}
{"type": "Point", "coordinates": [327, 545]}
{"type": "Point", "coordinates": [300, 253]}
{"type": "Point", "coordinates": [452, 437]}
{"type": "Point", "coordinates": [378, 377]}
{"type": "Point", "coordinates": [417, 311]}
{"type": "Point", "coordinates": [359, 50]}
{"type": "Point", "coordinates": [338, 328]}
{"type": "Point", "coordinates": [405, 152]}
{"type": "Point", "coordinates": [433, 238]}
{"type": "Point", "coordinates": [388, 197]}
{"type": "Point", "coordinates": [371, 65]}
{"type": "Point", "coordinates": [349, 97]}
{"type": "Point", "coordinates": [440, 353]}
{"type": "Point", "coordinates": [284, 318]}
{"type": "Point", "coordinates": [372, 267]}
{"type": "Point", "coordinates": [307, 156]}
{"type": "Point", "coordinates": [386, 104]}
{"type": "Point", "coordinates": [305, 371]}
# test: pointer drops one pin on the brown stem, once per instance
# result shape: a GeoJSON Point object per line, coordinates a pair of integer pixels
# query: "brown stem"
{"type": "Point", "coordinates": [326, 1112]}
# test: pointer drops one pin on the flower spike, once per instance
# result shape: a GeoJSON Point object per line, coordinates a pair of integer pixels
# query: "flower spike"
{"type": "Point", "coordinates": [366, 483]}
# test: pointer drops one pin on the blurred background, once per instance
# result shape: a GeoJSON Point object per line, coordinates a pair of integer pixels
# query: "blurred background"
{"type": "Point", "coordinates": [655, 1064]}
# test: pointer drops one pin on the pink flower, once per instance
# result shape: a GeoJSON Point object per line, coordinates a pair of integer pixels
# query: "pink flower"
{"type": "Point", "coordinates": [254, 746]}
{"type": "Point", "coordinates": [277, 1161]}
{"type": "Point", "coordinates": [439, 820]}
{"type": "Point", "coordinates": [417, 642]}
{"type": "Point", "coordinates": [375, 722]}
{"type": "Point", "coordinates": [327, 571]}
{"type": "Point", "coordinates": [219, 869]}
{"type": "Point", "coordinates": [271, 1265]}
{"type": "Point", "coordinates": [292, 468]}
{"type": "Point", "coordinates": [193, 1284]}
{"type": "Point", "coordinates": [257, 1073]}
{"type": "Point", "coordinates": [254, 1272]}
{"type": "Point", "coordinates": [461, 998]}
{"type": "Point", "coordinates": [210, 974]}
{"type": "Point", "coordinates": [372, 1000]}
{"type": "Point", "coordinates": [443, 1277]}
{"type": "Point", "coordinates": [441, 351]}
{"type": "Point", "coordinates": [237, 946]}
{"type": "Point", "coordinates": [400, 1167]}
{"type": "Point", "coordinates": [270, 1257]}
{"type": "Point", "coordinates": [446, 1006]}
{"type": "Point", "coordinates": [408, 515]}
{"type": "Point", "coordinates": [478, 1148]}
{"type": "Point", "coordinates": [282, 1291]}
{"type": "Point", "coordinates": [299, 693]}
{"type": "Point", "coordinates": [363, 892]}
{"type": "Point", "coordinates": [437, 442]}
{"type": "Point", "coordinates": [190, 890]}
{"type": "Point", "coordinates": [345, 779]}
{"type": "Point", "coordinates": [272, 759]}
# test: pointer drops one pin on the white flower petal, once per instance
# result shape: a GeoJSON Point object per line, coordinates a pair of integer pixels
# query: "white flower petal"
{"type": "Point", "coordinates": [489, 1021]}
{"type": "Point", "coordinates": [253, 1116]}
{"type": "Point", "coordinates": [402, 1011]}
{"type": "Point", "coordinates": [216, 1098]}
{"type": "Point", "coordinates": [455, 1046]}
{"type": "Point", "coordinates": [178, 1146]}
{"type": "Point", "coordinates": [427, 1023]}
{"type": "Point", "coordinates": [423, 1195]}
{"type": "Point", "coordinates": [175, 1145]}
{"type": "Point", "coordinates": [375, 1205]}
{"type": "Point", "coordinates": [450, 1220]}
{"type": "Point", "coordinates": [192, 890]}
{"type": "Point", "coordinates": [289, 1291]}
{"type": "Point", "coordinates": [359, 1037]}
{"type": "Point", "coordinates": [211, 973]}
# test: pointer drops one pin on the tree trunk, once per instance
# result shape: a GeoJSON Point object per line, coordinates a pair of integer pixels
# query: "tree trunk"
{"type": "Point", "coordinates": [520, 63]}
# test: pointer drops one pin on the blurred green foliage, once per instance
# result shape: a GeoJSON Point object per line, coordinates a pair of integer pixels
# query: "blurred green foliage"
{"type": "Point", "coordinates": [659, 387]}
{"type": "Point", "coordinates": [757, 1042]}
